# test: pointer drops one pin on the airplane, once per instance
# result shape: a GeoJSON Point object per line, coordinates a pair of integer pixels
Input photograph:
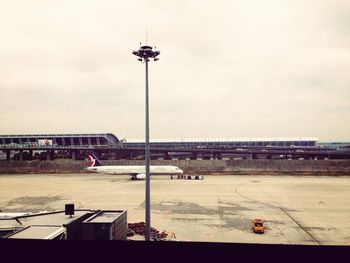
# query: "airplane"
{"type": "Point", "coordinates": [137, 172]}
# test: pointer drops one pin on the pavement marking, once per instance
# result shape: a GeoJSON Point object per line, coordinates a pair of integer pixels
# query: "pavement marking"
{"type": "Point", "coordinates": [296, 222]}
{"type": "Point", "coordinates": [268, 204]}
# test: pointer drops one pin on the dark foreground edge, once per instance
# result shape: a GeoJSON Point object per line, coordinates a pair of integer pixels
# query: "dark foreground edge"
{"type": "Point", "coordinates": [101, 251]}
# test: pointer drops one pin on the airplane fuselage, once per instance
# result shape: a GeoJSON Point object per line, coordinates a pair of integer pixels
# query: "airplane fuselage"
{"type": "Point", "coordinates": [136, 169]}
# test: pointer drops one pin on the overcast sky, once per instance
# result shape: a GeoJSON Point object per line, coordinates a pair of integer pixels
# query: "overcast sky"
{"type": "Point", "coordinates": [235, 68]}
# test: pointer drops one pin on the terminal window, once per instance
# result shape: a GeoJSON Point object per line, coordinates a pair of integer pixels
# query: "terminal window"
{"type": "Point", "coordinates": [85, 141]}
{"type": "Point", "coordinates": [76, 141]}
{"type": "Point", "coordinates": [59, 141]}
{"type": "Point", "coordinates": [93, 141]}
{"type": "Point", "coordinates": [103, 141]}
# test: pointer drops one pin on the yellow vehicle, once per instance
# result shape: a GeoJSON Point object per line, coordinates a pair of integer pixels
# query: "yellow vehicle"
{"type": "Point", "coordinates": [258, 226]}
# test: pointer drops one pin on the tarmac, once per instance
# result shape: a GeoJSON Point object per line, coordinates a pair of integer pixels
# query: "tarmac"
{"type": "Point", "coordinates": [309, 210]}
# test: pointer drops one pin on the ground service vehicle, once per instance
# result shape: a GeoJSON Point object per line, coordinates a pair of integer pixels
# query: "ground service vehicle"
{"type": "Point", "coordinates": [258, 226]}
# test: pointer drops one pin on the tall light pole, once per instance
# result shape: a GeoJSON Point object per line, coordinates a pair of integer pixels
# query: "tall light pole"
{"type": "Point", "coordinates": [144, 54]}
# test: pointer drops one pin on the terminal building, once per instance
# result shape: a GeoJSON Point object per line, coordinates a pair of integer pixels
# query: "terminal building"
{"type": "Point", "coordinates": [109, 146]}
{"type": "Point", "coordinates": [109, 139]}
{"type": "Point", "coordinates": [225, 142]}
{"type": "Point", "coordinates": [61, 139]}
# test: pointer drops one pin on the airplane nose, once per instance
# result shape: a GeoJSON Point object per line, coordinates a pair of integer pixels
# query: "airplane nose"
{"type": "Point", "coordinates": [181, 171]}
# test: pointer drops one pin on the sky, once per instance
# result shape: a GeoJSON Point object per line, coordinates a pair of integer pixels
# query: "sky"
{"type": "Point", "coordinates": [227, 68]}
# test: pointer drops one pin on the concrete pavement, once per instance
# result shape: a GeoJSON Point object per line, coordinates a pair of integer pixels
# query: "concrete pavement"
{"type": "Point", "coordinates": [296, 209]}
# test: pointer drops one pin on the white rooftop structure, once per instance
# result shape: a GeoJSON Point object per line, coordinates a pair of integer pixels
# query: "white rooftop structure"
{"type": "Point", "coordinates": [242, 139]}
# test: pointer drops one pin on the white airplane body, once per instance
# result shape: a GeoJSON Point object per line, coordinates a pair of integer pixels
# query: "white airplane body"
{"type": "Point", "coordinates": [136, 171]}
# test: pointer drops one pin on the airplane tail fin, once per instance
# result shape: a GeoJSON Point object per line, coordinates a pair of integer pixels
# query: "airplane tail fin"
{"type": "Point", "coordinates": [93, 160]}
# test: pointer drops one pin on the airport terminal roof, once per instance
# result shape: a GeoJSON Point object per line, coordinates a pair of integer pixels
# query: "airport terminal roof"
{"type": "Point", "coordinates": [58, 135]}
{"type": "Point", "coordinates": [76, 139]}
{"type": "Point", "coordinates": [242, 139]}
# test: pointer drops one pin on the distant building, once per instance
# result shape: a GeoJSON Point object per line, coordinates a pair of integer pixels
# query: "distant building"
{"type": "Point", "coordinates": [225, 142]}
{"type": "Point", "coordinates": [61, 139]}
{"type": "Point", "coordinates": [108, 146]}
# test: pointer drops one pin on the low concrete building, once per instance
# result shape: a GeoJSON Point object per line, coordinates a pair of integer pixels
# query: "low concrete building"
{"type": "Point", "coordinates": [79, 225]}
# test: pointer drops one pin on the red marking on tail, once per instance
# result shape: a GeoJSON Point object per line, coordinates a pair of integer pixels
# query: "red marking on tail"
{"type": "Point", "coordinates": [91, 160]}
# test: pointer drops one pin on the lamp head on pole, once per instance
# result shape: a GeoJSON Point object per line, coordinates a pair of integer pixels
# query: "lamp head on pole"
{"type": "Point", "coordinates": [146, 52]}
